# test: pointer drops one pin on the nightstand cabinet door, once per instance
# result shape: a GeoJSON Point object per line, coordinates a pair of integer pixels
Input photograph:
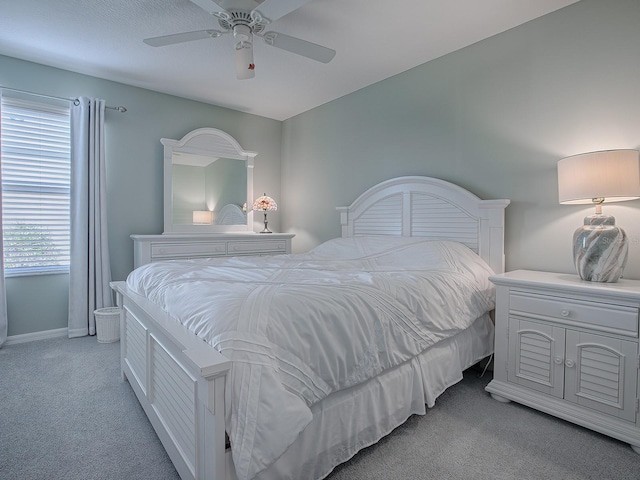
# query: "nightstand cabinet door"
{"type": "Point", "coordinates": [536, 356]}
{"type": "Point", "coordinates": [602, 373]}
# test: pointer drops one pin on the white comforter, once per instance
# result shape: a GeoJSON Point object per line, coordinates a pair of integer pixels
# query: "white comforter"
{"type": "Point", "coordinates": [298, 327]}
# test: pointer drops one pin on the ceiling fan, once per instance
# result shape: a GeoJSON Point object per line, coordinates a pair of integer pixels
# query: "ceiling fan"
{"type": "Point", "coordinates": [245, 23]}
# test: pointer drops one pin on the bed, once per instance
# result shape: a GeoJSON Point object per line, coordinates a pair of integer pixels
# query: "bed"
{"type": "Point", "coordinates": [231, 214]}
{"type": "Point", "coordinates": [289, 408]}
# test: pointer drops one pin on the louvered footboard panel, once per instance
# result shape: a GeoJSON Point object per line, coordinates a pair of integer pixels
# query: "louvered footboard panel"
{"type": "Point", "coordinates": [173, 397]}
{"type": "Point", "coordinates": [135, 348]}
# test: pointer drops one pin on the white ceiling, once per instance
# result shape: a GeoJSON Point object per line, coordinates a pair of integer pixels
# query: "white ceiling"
{"type": "Point", "coordinates": [374, 40]}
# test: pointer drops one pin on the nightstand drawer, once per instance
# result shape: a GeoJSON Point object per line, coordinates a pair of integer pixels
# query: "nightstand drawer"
{"type": "Point", "coordinates": [174, 250]}
{"type": "Point", "coordinates": [598, 316]}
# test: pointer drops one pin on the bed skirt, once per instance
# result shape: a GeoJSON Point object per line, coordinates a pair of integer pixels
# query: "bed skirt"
{"type": "Point", "coordinates": [389, 399]}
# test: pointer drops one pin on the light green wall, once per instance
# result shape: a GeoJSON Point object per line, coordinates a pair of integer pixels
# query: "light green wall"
{"type": "Point", "coordinates": [494, 117]}
{"type": "Point", "coordinates": [134, 171]}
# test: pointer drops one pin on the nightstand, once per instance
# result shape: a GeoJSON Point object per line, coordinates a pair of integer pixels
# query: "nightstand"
{"type": "Point", "coordinates": [569, 348]}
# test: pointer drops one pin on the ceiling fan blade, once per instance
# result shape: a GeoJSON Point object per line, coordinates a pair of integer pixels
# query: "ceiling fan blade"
{"type": "Point", "coordinates": [299, 46]}
{"type": "Point", "coordinates": [181, 37]}
{"type": "Point", "coordinates": [272, 10]}
{"type": "Point", "coordinates": [210, 6]}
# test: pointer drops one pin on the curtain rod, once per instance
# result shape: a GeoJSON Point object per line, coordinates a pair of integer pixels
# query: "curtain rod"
{"type": "Point", "coordinates": [75, 101]}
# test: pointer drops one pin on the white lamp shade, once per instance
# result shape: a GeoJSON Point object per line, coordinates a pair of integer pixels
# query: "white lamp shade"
{"type": "Point", "coordinates": [202, 217]}
{"type": "Point", "coordinates": [611, 174]}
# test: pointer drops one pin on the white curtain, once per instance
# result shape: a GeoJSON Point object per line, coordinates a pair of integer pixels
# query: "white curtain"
{"type": "Point", "coordinates": [90, 272]}
{"type": "Point", "coordinates": [3, 293]}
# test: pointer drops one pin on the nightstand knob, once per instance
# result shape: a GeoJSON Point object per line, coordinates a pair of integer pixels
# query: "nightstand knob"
{"type": "Point", "coordinates": [558, 360]}
{"type": "Point", "coordinates": [565, 313]}
{"type": "Point", "coordinates": [569, 363]}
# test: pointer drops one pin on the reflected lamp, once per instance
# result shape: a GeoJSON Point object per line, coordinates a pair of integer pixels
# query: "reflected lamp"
{"type": "Point", "coordinates": [202, 217]}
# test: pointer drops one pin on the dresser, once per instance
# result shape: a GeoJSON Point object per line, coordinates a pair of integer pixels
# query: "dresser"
{"type": "Point", "coordinates": [153, 248]}
{"type": "Point", "coordinates": [569, 348]}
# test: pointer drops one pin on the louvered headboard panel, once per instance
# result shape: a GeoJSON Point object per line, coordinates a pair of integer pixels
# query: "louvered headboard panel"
{"type": "Point", "coordinates": [438, 219]}
{"type": "Point", "coordinates": [431, 208]}
{"type": "Point", "coordinates": [383, 218]}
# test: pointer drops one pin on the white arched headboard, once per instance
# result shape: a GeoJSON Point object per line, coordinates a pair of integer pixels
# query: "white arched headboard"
{"type": "Point", "coordinates": [431, 208]}
{"type": "Point", "coordinates": [231, 214]}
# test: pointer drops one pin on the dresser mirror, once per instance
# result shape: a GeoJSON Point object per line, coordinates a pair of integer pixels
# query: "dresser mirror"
{"type": "Point", "coordinates": [208, 183]}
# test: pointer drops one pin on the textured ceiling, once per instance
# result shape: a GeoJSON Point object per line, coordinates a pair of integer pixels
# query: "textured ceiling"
{"type": "Point", "coordinates": [374, 40]}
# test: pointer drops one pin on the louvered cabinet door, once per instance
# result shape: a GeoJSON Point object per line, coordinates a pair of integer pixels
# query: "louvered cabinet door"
{"type": "Point", "coordinates": [601, 373]}
{"type": "Point", "coordinates": [536, 356]}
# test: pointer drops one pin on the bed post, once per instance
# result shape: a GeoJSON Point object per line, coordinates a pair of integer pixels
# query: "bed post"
{"type": "Point", "coordinates": [344, 221]}
{"type": "Point", "coordinates": [491, 245]}
{"type": "Point", "coordinates": [119, 300]}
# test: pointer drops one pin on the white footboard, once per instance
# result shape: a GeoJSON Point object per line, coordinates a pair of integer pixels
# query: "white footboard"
{"type": "Point", "coordinates": [179, 381]}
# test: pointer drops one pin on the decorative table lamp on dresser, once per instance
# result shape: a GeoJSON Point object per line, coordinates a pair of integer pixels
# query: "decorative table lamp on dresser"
{"type": "Point", "coordinates": [600, 248]}
{"type": "Point", "coordinates": [265, 204]}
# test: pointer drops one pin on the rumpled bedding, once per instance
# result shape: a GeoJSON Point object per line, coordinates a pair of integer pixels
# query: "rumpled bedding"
{"type": "Point", "coordinates": [299, 327]}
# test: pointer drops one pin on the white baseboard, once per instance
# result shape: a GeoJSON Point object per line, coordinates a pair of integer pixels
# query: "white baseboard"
{"type": "Point", "coordinates": [31, 337]}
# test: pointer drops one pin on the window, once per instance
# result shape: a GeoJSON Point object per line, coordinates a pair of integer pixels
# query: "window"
{"type": "Point", "coordinates": [36, 162]}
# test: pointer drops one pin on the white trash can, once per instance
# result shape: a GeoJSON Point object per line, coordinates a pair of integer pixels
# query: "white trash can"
{"type": "Point", "coordinates": [107, 324]}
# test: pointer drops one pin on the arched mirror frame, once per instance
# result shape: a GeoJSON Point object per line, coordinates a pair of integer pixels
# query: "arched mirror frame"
{"type": "Point", "coordinates": [208, 142]}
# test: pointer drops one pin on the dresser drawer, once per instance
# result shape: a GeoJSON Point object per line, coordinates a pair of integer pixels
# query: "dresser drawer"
{"type": "Point", "coordinates": [594, 315]}
{"type": "Point", "coordinates": [250, 248]}
{"type": "Point", "coordinates": [194, 249]}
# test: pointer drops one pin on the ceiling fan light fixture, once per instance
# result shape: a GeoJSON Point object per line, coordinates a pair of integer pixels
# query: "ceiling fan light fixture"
{"type": "Point", "coordinates": [242, 33]}
{"type": "Point", "coordinates": [245, 68]}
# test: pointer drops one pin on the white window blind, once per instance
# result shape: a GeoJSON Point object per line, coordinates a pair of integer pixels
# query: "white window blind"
{"type": "Point", "coordinates": [36, 153]}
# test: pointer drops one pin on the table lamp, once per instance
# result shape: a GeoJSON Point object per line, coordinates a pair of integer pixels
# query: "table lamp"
{"type": "Point", "coordinates": [600, 248]}
{"type": "Point", "coordinates": [265, 204]}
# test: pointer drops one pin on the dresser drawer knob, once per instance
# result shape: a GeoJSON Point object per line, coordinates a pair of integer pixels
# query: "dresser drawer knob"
{"type": "Point", "coordinates": [558, 360]}
{"type": "Point", "coordinates": [569, 363]}
{"type": "Point", "coordinates": [565, 312]}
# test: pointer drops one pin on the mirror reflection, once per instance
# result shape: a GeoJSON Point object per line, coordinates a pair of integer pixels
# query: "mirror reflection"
{"type": "Point", "coordinates": [208, 190]}
{"type": "Point", "coordinates": [208, 180]}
